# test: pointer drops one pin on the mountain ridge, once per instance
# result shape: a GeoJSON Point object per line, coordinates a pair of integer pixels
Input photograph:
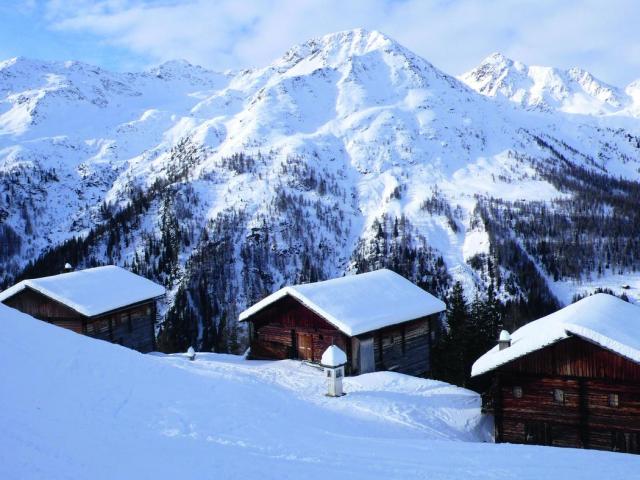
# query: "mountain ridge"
{"type": "Point", "coordinates": [347, 153]}
{"type": "Point", "coordinates": [572, 90]}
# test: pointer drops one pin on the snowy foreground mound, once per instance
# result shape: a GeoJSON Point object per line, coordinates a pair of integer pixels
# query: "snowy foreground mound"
{"type": "Point", "coordinates": [74, 407]}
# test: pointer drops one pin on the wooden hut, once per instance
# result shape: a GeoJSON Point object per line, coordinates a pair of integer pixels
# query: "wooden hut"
{"type": "Point", "coordinates": [108, 303]}
{"type": "Point", "coordinates": [571, 379]}
{"type": "Point", "coordinates": [380, 319]}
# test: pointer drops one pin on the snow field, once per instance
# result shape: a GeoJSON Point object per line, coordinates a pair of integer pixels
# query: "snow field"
{"type": "Point", "coordinates": [75, 407]}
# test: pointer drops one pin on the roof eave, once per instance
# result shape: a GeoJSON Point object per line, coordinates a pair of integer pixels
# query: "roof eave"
{"type": "Point", "coordinates": [283, 292]}
{"type": "Point", "coordinates": [81, 312]}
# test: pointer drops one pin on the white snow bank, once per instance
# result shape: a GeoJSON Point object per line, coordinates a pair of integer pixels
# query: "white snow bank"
{"type": "Point", "coordinates": [360, 303]}
{"type": "Point", "coordinates": [93, 291]}
{"type": "Point", "coordinates": [602, 319]}
{"type": "Point", "coordinates": [75, 407]}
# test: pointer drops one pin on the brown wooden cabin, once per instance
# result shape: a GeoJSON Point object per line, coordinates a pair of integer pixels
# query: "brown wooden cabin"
{"type": "Point", "coordinates": [108, 303]}
{"type": "Point", "coordinates": [302, 321]}
{"type": "Point", "coordinates": [568, 384]}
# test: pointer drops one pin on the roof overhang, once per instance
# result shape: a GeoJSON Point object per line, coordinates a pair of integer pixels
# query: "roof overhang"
{"type": "Point", "coordinates": [291, 292]}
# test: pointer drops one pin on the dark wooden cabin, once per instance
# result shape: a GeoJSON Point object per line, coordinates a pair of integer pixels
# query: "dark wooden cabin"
{"type": "Point", "coordinates": [571, 379]}
{"type": "Point", "coordinates": [381, 320]}
{"type": "Point", "coordinates": [108, 303]}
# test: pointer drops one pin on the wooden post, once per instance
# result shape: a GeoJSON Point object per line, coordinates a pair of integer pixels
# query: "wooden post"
{"type": "Point", "coordinates": [430, 344]}
{"type": "Point", "coordinates": [584, 413]}
{"type": "Point", "coordinates": [497, 407]}
{"type": "Point", "coordinates": [154, 313]}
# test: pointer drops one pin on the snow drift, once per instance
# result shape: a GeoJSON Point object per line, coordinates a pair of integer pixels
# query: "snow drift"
{"type": "Point", "coordinates": [75, 407]}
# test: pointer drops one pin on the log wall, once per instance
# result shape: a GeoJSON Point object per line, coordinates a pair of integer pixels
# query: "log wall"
{"type": "Point", "coordinates": [132, 326]}
{"type": "Point", "coordinates": [286, 328]}
{"type": "Point", "coordinates": [570, 394]}
{"type": "Point", "coordinates": [404, 348]}
{"type": "Point", "coordinates": [41, 307]}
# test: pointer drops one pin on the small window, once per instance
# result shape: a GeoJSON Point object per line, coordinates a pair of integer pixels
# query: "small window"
{"type": "Point", "coordinates": [558, 395]}
{"type": "Point", "coordinates": [517, 392]}
{"type": "Point", "coordinates": [328, 373]}
{"type": "Point", "coordinates": [614, 400]}
{"type": "Point", "coordinates": [339, 373]}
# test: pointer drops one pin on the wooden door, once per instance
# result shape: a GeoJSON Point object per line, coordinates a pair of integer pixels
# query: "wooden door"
{"type": "Point", "coordinates": [305, 346]}
{"type": "Point", "coordinates": [538, 433]}
{"type": "Point", "coordinates": [367, 361]}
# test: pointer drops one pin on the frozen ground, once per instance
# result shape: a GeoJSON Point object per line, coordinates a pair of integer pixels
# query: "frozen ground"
{"type": "Point", "coordinates": [78, 408]}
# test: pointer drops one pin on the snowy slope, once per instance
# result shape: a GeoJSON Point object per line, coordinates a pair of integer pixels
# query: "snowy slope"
{"type": "Point", "coordinates": [76, 407]}
{"type": "Point", "coordinates": [290, 169]}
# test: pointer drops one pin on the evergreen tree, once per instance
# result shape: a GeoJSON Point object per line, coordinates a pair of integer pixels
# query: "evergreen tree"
{"type": "Point", "coordinates": [451, 358]}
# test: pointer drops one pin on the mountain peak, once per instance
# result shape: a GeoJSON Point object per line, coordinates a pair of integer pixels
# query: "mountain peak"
{"type": "Point", "coordinates": [544, 88]}
{"type": "Point", "coordinates": [335, 48]}
{"type": "Point", "coordinates": [183, 69]}
{"type": "Point", "coordinates": [367, 39]}
{"type": "Point", "coordinates": [497, 58]}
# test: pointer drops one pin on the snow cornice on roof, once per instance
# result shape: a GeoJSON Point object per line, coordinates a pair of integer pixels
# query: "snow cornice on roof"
{"type": "Point", "coordinates": [356, 304]}
{"type": "Point", "coordinates": [601, 319]}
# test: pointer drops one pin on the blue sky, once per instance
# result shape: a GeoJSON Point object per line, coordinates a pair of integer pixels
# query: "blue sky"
{"type": "Point", "coordinates": [455, 35]}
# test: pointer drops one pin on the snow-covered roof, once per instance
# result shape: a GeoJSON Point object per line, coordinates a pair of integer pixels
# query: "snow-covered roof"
{"type": "Point", "coordinates": [333, 357]}
{"type": "Point", "coordinates": [602, 319]}
{"type": "Point", "coordinates": [93, 291]}
{"type": "Point", "coordinates": [361, 303]}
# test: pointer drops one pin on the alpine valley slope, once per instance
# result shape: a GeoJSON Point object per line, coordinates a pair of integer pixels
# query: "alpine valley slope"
{"type": "Point", "coordinates": [347, 153]}
{"type": "Point", "coordinates": [76, 407]}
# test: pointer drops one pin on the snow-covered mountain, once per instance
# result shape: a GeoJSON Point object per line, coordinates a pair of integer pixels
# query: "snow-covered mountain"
{"type": "Point", "coordinates": [347, 153]}
{"type": "Point", "coordinates": [545, 88]}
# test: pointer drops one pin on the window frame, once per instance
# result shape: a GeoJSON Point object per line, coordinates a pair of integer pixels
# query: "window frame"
{"type": "Point", "coordinates": [559, 396]}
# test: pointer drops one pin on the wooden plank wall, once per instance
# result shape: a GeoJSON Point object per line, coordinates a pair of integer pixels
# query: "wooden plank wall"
{"type": "Point", "coordinates": [275, 328]}
{"type": "Point", "coordinates": [404, 348]}
{"type": "Point", "coordinates": [41, 307]}
{"type": "Point", "coordinates": [587, 375]}
{"type": "Point", "coordinates": [575, 357]}
{"type": "Point", "coordinates": [133, 327]}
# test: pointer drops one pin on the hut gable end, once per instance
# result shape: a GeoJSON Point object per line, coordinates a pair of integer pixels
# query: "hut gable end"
{"type": "Point", "coordinates": [571, 379]}
{"type": "Point", "coordinates": [109, 303]}
{"type": "Point", "coordinates": [40, 306]}
{"type": "Point", "coordinates": [289, 329]}
{"type": "Point", "coordinates": [575, 357]}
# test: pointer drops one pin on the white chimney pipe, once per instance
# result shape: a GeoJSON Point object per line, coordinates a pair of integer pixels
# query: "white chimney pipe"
{"type": "Point", "coordinates": [504, 341]}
